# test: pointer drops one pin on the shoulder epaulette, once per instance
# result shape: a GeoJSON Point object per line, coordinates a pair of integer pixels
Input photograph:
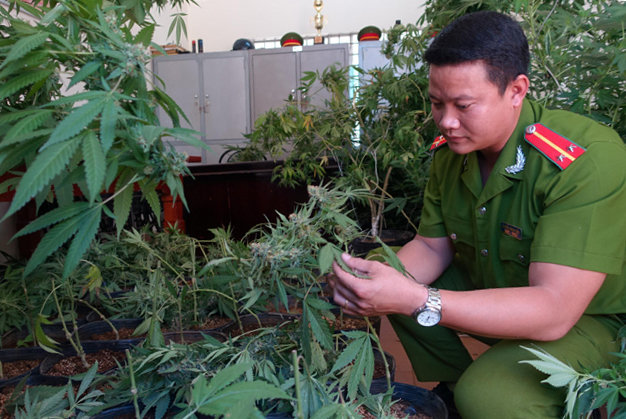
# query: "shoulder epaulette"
{"type": "Point", "coordinates": [555, 147]}
{"type": "Point", "coordinates": [439, 141]}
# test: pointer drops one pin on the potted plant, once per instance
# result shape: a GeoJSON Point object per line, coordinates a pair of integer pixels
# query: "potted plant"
{"type": "Point", "coordinates": [78, 118]}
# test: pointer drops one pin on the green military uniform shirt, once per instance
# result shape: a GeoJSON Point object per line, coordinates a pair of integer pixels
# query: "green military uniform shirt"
{"type": "Point", "coordinates": [531, 210]}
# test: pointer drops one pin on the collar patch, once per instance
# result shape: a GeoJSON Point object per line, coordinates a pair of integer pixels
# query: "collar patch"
{"type": "Point", "coordinates": [439, 141]}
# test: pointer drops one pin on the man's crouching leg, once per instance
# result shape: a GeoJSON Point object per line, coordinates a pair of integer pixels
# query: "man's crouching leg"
{"type": "Point", "coordinates": [497, 385]}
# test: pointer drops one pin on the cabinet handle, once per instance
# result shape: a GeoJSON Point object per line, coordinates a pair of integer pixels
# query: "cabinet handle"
{"type": "Point", "coordinates": [206, 103]}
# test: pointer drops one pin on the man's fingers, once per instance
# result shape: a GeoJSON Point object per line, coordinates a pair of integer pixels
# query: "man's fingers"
{"type": "Point", "coordinates": [358, 265]}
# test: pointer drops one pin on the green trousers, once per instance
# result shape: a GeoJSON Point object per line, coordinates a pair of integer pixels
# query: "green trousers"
{"type": "Point", "coordinates": [496, 385]}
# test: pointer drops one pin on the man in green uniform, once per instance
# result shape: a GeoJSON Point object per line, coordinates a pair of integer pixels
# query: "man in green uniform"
{"type": "Point", "coordinates": [522, 237]}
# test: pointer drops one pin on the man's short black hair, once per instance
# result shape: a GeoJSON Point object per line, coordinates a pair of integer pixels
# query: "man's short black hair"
{"type": "Point", "coordinates": [492, 37]}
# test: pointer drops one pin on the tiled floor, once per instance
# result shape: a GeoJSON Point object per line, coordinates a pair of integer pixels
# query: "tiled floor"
{"type": "Point", "coordinates": [404, 372]}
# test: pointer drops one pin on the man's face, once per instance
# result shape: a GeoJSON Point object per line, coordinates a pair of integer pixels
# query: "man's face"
{"type": "Point", "coordinates": [469, 109]}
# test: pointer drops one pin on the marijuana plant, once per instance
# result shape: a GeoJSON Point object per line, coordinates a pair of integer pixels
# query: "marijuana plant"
{"type": "Point", "coordinates": [78, 118]}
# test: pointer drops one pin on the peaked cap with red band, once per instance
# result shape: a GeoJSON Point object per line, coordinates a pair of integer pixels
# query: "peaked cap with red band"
{"type": "Point", "coordinates": [558, 149]}
{"type": "Point", "coordinates": [439, 141]}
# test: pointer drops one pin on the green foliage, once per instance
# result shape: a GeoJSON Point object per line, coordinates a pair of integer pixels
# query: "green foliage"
{"type": "Point", "coordinates": [586, 390]}
{"type": "Point", "coordinates": [578, 54]}
{"type": "Point", "coordinates": [65, 401]}
{"type": "Point", "coordinates": [76, 112]}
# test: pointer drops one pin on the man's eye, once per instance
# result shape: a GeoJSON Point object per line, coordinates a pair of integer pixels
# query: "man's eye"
{"type": "Point", "coordinates": [462, 106]}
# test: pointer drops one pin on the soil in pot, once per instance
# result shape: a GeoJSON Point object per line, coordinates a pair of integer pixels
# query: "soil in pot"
{"type": "Point", "coordinates": [17, 368]}
{"type": "Point", "coordinates": [70, 366]}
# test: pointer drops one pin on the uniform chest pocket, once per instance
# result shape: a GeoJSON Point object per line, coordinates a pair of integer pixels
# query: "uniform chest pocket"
{"type": "Point", "coordinates": [515, 251]}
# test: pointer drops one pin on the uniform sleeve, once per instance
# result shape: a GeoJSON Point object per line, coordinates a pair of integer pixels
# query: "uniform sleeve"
{"type": "Point", "coordinates": [431, 220]}
{"type": "Point", "coordinates": [583, 223]}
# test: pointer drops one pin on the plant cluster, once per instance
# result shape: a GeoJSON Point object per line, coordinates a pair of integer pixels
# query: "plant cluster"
{"type": "Point", "coordinates": [302, 366]}
{"type": "Point", "coordinates": [78, 118]}
{"type": "Point", "coordinates": [587, 390]}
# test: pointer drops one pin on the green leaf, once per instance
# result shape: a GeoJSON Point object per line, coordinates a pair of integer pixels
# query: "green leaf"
{"type": "Point", "coordinates": [46, 166]}
{"type": "Point", "coordinates": [85, 235]}
{"type": "Point", "coordinates": [52, 240]}
{"type": "Point", "coordinates": [107, 126]}
{"type": "Point", "coordinates": [52, 217]}
{"type": "Point", "coordinates": [17, 83]}
{"type": "Point", "coordinates": [25, 126]}
{"type": "Point", "coordinates": [53, 14]}
{"type": "Point", "coordinates": [325, 258]}
{"type": "Point", "coordinates": [122, 202]}
{"type": "Point", "coordinates": [152, 197]}
{"type": "Point", "coordinates": [76, 121]}
{"type": "Point", "coordinates": [144, 36]}
{"type": "Point", "coordinates": [245, 393]}
{"type": "Point", "coordinates": [23, 46]}
{"type": "Point", "coordinates": [94, 164]}
{"type": "Point", "coordinates": [85, 71]}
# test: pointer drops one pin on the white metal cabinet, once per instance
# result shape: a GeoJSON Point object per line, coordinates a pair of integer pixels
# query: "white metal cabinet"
{"type": "Point", "coordinates": [212, 90]}
{"type": "Point", "coordinates": [275, 74]}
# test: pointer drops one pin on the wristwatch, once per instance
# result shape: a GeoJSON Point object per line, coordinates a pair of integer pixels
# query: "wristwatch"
{"type": "Point", "coordinates": [429, 314]}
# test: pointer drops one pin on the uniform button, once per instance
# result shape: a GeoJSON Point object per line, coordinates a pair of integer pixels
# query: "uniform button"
{"type": "Point", "coordinates": [484, 252]}
{"type": "Point", "coordinates": [453, 236]}
{"type": "Point", "coordinates": [482, 210]}
{"type": "Point", "coordinates": [521, 257]}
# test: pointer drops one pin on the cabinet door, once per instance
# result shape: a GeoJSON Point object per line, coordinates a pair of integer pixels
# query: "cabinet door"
{"type": "Point", "coordinates": [317, 58]}
{"type": "Point", "coordinates": [182, 84]}
{"type": "Point", "coordinates": [224, 103]}
{"type": "Point", "coordinates": [273, 78]}
{"type": "Point", "coordinates": [181, 76]}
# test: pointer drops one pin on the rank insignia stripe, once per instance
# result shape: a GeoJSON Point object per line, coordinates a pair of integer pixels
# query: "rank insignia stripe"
{"type": "Point", "coordinates": [558, 149]}
{"type": "Point", "coordinates": [439, 141]}
{"type": "Point", "coordinates": [511, 230]}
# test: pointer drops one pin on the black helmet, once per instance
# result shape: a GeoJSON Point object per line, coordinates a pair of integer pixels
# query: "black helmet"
{"type": "Point", "coordinates": [243, 43]}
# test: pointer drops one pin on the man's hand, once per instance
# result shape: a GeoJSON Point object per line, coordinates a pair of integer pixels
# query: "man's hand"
{"type": "Point", "coordinates": [383, 290]}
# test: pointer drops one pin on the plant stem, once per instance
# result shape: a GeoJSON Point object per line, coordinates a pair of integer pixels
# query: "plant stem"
{"type": "Point", "coordinates": [133, 385]}
{"type": "Point", "coordinates": [296, 378]}
{"type": "Point", "coordinates": [102, 316]}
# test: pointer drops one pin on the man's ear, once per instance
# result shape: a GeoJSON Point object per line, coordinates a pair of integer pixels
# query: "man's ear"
{"type": "Point", "coordinates": [518, 89]}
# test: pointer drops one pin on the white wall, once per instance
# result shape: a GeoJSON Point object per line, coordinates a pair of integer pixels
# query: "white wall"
{"type": "Point", "coordinates": [220, 22]}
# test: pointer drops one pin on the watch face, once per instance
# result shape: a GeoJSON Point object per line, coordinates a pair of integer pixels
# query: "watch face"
{"type": "Point", "coordinates": [428, 317]}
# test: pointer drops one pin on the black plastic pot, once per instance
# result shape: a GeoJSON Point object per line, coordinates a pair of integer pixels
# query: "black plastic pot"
{"type": "Point", "coordinates": [421, 400]}
{"type": "Point", "coordinates": [89, 330]}
{"type": "Point", "coordinates": [362, 246]}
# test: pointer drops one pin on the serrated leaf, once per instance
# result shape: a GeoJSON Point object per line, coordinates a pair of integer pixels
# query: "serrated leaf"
{"type": "Point", "coordinates": [238, 393]}
{"type": "Point", "coordinates": [19, 82]}
{"type": "Point", "coordinates": [25, 126]}
{"type": "Point", "coordinates": [52, 240]}
{"type": "Point", "coordinates": [85, 71]}
{"type": "Point", "coordinates": [52, 217]}
{"type": "Point", "coordinates": [325, 258]}
{"type": "Point", "coordinates": [75, 122]}
{"type": "Point", "coordinates": [24, 46]}
{"type": "Point", "coordinates": [107, 126]}
{"type": "Point", "coordinates": [46, 166]}
{"type": "Point", "coordinates": [152, 197]}
{"type": "Point", "coordinates": [53, 14]}
{"type": "Point", "coordinates": [84, 236]}
{"type": "Point", "coordinates": [144, 36]}
{"type": "Point", "coordinates": [346, 356]}
{"type": "Point", "coordinates": [122, 202]}
{"type": "Point", "coordinates": [319, 326]}
{"type": "Point", "coordinates": [94, 165]}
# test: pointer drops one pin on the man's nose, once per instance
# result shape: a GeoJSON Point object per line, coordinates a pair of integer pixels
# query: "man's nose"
{"type": "Point", "coordinates": [449, 120]}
